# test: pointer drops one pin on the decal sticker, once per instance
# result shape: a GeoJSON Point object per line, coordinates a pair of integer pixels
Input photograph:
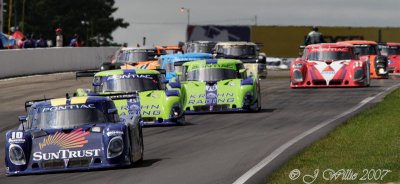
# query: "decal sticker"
{"type": "Point", "coordinates": [128, 76]}
{"type": "Point", "coordinates": [65, 154]}
{"type": "Point", "coordinates": [69, 107]}
{"type": "Point", "coordinates": [17, 137]}
{"type": "Point", "coordinates": [114, 133]}
{"type": "Point", "coordinates": [75, 139]}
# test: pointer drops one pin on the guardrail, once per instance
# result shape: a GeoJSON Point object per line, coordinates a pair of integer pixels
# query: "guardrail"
{"type": "Point", "coordinates": [22, 62]}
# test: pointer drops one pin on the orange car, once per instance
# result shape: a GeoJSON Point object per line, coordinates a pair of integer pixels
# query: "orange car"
{"type": "Point", "coordinates": [140, 57]}
{"type": "Point", "coordinates": [392, 51]}
{"type": "Point", "coordinates": [368, 51]}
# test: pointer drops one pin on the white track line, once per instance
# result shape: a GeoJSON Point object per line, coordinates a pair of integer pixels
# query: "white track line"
{"type": "Point", "coordinates": [246, 176]}
{"type": "Point", "coordinates": [35, 75]}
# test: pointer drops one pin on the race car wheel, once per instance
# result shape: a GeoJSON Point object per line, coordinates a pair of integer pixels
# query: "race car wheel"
{"type": "Point", "coordinates": [181, 121]}
{"type": "Point", "coordinates": [141, 144]}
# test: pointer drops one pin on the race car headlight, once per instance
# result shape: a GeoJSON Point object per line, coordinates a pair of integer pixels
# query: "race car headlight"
{"type": "Point", "coordinates": [115, 147]}
{"type": "Point", "coordinates": [16, 154]}
{"type": "Point", "coordinates": [175, 111]}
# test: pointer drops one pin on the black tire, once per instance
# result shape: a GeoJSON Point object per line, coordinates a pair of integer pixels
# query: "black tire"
{"type": "Point", "coordinates": [141, 145]}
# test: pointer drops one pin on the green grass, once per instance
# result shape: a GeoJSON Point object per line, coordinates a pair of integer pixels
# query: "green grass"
{"type": "Point", "coordinates": [370, 140]}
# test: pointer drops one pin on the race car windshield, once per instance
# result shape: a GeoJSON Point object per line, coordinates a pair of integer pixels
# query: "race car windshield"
{"type": "Point", "coordinates": [210, 74]}
{"type": "Point", "coordinates": [136, 56]}
{"type": "Point", "coordinates": [130, 85]}
{"type": "Point", "coordinates": [199, 48]}
{"type": "Point", "coordinates": [388, 51]}
{"type": "Point", "coordinates": [236, 51]}
{"type": "Point", "coordinates": [69, 118]}
{"type": "Point", "coordinates": [332, 56]}
{"type": "Point", "coordinates": [366, 50]}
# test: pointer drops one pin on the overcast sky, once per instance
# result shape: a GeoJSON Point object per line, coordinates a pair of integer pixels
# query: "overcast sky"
{"type": "Point", "coordinates": [162, 22]}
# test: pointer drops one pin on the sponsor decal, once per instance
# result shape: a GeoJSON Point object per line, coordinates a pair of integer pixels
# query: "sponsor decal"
{"type": "Point", "coordinates": [114, 133]}
{"type": "Point", "coordinates": [211, 94]}
{"type": "Point", "coordinates": [206, 66]}
{"type": "Point", "coordinates": [150, 110]}
{"type": "Point", "coordinates": [17, 137]}
{"type": "Point", "coordinates": [128, 76]}
{"type": "Point", "coordinates": [330, 50]}
{"type": "Point", "coordinates": [75, 139]}
{"type": "Point", "coordinates": [69, 107]}
{"type": "Point", "coordinates": [211, 98]}
{"type": "Point", "coordinates": [328, 70]}
{"type": "Point", "coordinates": [65, 154]}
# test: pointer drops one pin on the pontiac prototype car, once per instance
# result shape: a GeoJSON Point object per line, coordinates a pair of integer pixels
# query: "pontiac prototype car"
{"type": "Point", "coordinates": [139, 91]}
{"type": "Point", "coordinates": [329, 65]}
{"type": "Point", "coordinates": [368, 50]}
{"type": "Point", "coordinates": [392, 51]}
{"type": "Point", "coordinates": [172, 63]}
{"type": "Point", "coordinates": [247, 52]}
{"type": "Point", "coordinates": [217, 86]}
{"type": "Point", "coordinates": [78, 133]}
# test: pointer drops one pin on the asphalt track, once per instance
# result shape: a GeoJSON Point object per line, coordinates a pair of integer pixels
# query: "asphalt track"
{"type": "Point", "coordinates": [211, 149]}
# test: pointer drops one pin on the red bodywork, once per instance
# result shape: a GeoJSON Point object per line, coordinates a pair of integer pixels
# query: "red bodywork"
{"type": "Point", "coordinates": [393, 54]}
{"type": "Point", "coordinates": [310, 72]}
{"type": "Point", "coordinates": [371, 57]}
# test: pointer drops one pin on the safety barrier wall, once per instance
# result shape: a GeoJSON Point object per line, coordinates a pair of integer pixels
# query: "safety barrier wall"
{"type": "Point", "coordinates": [284, 41]}
{"type": "Point", "coordinates": [21, 62]}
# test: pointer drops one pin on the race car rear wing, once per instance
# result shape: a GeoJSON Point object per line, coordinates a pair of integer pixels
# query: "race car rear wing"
{"type": "Point", "coordinates": [87, 73]}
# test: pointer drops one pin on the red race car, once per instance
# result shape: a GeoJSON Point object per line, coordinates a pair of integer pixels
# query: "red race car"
{"type": "Point", "coordinates": [368, 50]}
{"type": "Point", "coordinates": [392, 51]}
{"type": "Point", "coordinates": [329, 65]}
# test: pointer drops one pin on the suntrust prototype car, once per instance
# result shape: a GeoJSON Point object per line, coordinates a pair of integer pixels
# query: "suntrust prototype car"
{"type": "Point", "coordinates": [78, 133]}
{"type": "Point", "coordinates": [329, 65]}
{"type": "Point", "coordinates": [217, 86]}
{"type": "Point", "coordinates": [368, 50]}
{"type": "Point", "coordinates": [139, 91]}
{"type": "Point", "coordinates": [392, 51]}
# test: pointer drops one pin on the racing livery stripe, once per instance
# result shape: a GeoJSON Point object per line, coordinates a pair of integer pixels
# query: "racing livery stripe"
{"type": "Point", "coordinates": [79, 100]}
{"type": "Point", "coordinates": [129, 71]}
{"type": "Point", "coordinates": [211, 61]}
{"type": "Point", "coordinates": [58, 101]}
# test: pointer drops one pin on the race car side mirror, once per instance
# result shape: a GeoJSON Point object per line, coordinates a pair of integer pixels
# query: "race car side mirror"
{"type": "Point", "coordinates": [165, 81]}
{"type": "Point", "coordinates": [242, 70]}
{"type": "Point", "coordinates": [22, 119]}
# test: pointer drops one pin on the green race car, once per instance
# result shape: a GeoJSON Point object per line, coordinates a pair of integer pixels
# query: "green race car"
{"type": "Point", "coordinates": [139, 91]}
{"type": "Point", "coordinates": [217, 86]}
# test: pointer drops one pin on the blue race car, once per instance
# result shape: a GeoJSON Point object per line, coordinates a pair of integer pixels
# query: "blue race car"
{"type": "Point", "coordinates": [78, 133]}
{"type": "Point", "coordinates": [172, 63]}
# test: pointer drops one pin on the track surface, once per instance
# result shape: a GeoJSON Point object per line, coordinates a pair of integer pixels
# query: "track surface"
{"type": "Point", "coordinates": [216, 148]}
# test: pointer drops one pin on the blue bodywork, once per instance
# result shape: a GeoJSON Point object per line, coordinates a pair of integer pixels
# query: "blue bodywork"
{"type": "Point", "coordinates": [84, 147]}
{"type": "Point", "coordinates": [168, 61]}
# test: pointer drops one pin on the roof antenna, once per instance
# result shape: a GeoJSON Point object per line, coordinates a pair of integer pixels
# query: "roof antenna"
{"type": "Point", "coordinates": [67, 95]}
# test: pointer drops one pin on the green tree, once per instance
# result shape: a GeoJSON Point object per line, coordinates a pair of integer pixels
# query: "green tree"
{"type": "Point", "coordinates": [92, 20]}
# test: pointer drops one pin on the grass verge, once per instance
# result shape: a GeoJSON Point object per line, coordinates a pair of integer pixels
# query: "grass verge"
{"type": "Point", "coordinates": [362, 150]}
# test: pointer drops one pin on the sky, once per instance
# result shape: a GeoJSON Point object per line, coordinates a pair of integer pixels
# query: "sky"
{"type": "Point", "coordinates": [162, 22]}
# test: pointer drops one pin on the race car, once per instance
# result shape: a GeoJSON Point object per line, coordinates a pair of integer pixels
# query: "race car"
{"type": "Point", "coordinates": [368, 50]}
{"type": "Point", "coordinates": [217, 85]}
{"type": "Point", "coordinates": [200, 47]}
{"type": "Point", "coordinates": [247, 52]}
{"type": "Point", "coordinates": [392, 51]}
{"type": "Point", "coordinates": [139, 91]}
{"type": "Point", "coordinates": [329, 65]}
{"type": "Point", "coordinates": [133, 57]}
{"type": "Point", "coordinates": [139, 57]}
{"type": "Point", "coordinates": [69, 134]}
{"type": "Point", "coordinates": [172, 63]}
